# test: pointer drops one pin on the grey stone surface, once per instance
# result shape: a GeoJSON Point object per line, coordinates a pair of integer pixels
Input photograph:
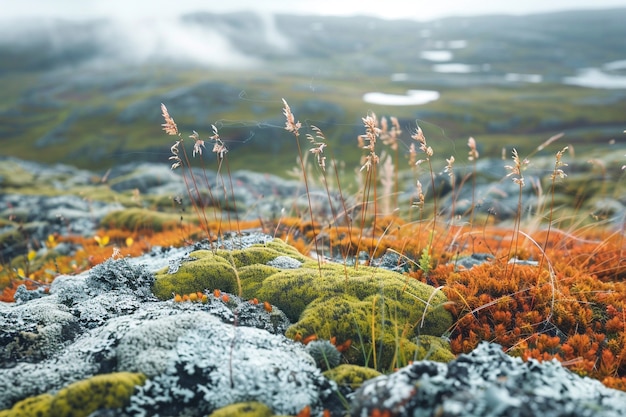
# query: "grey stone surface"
{"type": "Point", "coordinates": [197, 356]}
{"type": "Point", "coordinates": [487, 383]}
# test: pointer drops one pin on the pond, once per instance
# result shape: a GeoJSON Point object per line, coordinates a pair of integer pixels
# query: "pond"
{"type": "Point", "coordinates": [411, 98]}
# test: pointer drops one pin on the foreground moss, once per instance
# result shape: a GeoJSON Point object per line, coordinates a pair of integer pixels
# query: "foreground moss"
{"type": "Point", "coordinates": [248, 409]}
{"type": "Point", "coordinates": [378, 312]}
{"type": "Point", "coordinates": [81, 398]}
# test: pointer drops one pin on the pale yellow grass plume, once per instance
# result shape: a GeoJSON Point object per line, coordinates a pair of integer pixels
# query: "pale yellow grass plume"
{"type": "Point", "coordinates": [218, 146]}
{"type": "Point", "coordinates": [473, 153]}
{"type": "Point", "coordinates": [421, 139]}
{"type": "Point", "coordinates": [516, 169]}
{"type": "Point", "coordinates": [290, 124]}
{"type": "Point", "coordinates": [319, 144]}
{"type": "Point", "coordinates": [169, 126]}
{"type": "Point", "coordinates": [198, 144]}
{"type": "Point", "coordinates": [449, 169]}
{"type": "Point", "coordinates": [421, 199]}
{"type": "Point", "coordinates": [558, 172]}
{"type": "Point", "coordinates": [368, 141]}
{"type": "Point", "coordinates": [390, 136]}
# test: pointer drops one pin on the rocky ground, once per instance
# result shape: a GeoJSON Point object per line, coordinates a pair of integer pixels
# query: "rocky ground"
{"type": "Point", "coordinates": [113, 340]}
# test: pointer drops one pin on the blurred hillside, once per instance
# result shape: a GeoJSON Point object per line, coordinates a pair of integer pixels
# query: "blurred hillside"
{"type": "Point", "coordinates": [88, 93]}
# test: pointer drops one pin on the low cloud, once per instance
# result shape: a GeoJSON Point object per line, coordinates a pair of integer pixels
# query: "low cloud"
{"type": "Point", "coordinates": [202, 39]}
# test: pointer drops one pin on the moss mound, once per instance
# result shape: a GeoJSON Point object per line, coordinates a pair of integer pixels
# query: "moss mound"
{"type": "Point", "coordinates": [378, 311]}
{"type": "Point", "coordinates": [352, 376]}
{"type": "Point", "coordinates": [248, 409]}
{"type": "Point", "coordinates": [81, 398]}
{"type": "Point", "coordinates": [138, 218]}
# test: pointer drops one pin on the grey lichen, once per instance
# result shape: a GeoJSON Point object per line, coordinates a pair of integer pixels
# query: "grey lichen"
{"type": "Point", "coordinates": [121, 275]}
{"type": "Point", "coordinates": [324, 353]}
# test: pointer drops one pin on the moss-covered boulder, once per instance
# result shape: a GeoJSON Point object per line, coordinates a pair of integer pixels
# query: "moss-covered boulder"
{"type": "Point", "coordinates": [108, 391]}
{"type": "Point", "coordinates": [138, 218]}
{"type": "Point", "coordinates": [379, 312]}
{"type": "Point", "coordinates": [224, 270]}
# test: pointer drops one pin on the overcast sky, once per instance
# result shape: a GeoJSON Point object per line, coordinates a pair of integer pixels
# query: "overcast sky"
{"type": "Point", "coordinates": [414, 9]}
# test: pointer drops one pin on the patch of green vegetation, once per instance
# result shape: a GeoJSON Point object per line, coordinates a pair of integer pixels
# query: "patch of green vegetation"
{"type": "Point", "coordinates": [352, 376]}
{"type": "Point", "coordinates": [139, 218]}
{"type": "Point", "coordinates": [93, 130]}
{"type": "Point", "coordinates": [378, 310]}
{"type": "Point", "coordinates": [81, 398]}
{"type": "Point", "coordinates": [247, 409]}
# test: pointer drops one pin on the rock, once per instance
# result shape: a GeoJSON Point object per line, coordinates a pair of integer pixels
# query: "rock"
{"type": "Point", "coordinates": [35, 330]}
{"type": "Point", "coordinates": [147, 178]}
{"type": "Point", "coordinates": [195, 357]}
{"type": "Point", "coordinates": [239, 364]}
{"type": "Point", "coordinates": [486, 382]}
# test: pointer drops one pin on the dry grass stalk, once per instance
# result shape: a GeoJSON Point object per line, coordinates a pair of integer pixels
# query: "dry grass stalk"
{"type": "Point", "coordinates": [369, 163]}
{"type": "Point", "coordinates": [294, 127]}
{"type": "Point", "coordinates": [171, 128]}
{"type": "Point", "coordinates": [418, 136]}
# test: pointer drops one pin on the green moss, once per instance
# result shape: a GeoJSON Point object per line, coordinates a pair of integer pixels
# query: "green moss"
{"type": "Point", "coordinates": [209, 270]}
{"type": "Point", "coordinates": [206, 272]}
{"type": "Point", "coordinates": [252, 276]}
{"type": "Point", "coordinates": [137, 218]}
{"type": "Point", "coordinates": [433, 348]}
{"type": "Point", "coordinates": [81, 398]}
{"type": "Point", "coordinates": [351, 375]}
{"type": "Point", "coordinates": [331, 302]}
{"type": "Point", "coordinates": [248, 409]}
{"type": "Point", "coordinates": [292, 290]}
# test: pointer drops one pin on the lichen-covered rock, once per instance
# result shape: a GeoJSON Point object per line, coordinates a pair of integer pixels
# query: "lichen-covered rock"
{"type": "Point", "coordinates": [34, 331]}
{"type": "Point", "coordinates": [106, 320]}
{"type": "Point", "coordinates": [80, 399]}
{"type": "Point", "coordinates": [120, 275]}
{"type": "Point", "coordinates": [239, 364]}
{"type": "Point", "coordinates": [486, 382]}
{"type": "Point", "coordinates": [192, 359]}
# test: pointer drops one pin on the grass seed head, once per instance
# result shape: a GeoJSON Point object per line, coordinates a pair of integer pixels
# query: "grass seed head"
{"type": "Point", "coordinates": [169, 126]}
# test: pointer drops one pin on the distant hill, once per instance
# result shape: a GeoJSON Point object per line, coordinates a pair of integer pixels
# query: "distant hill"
{"type": "Point", "coordinates": [88, 93]}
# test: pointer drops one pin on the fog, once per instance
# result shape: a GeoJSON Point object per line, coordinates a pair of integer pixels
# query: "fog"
{"type": "Point", "coordinates": [136, 41]}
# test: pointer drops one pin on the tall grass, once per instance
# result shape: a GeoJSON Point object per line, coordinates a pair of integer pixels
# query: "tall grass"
{"type": "Point", "coordinates": [372, 221]}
